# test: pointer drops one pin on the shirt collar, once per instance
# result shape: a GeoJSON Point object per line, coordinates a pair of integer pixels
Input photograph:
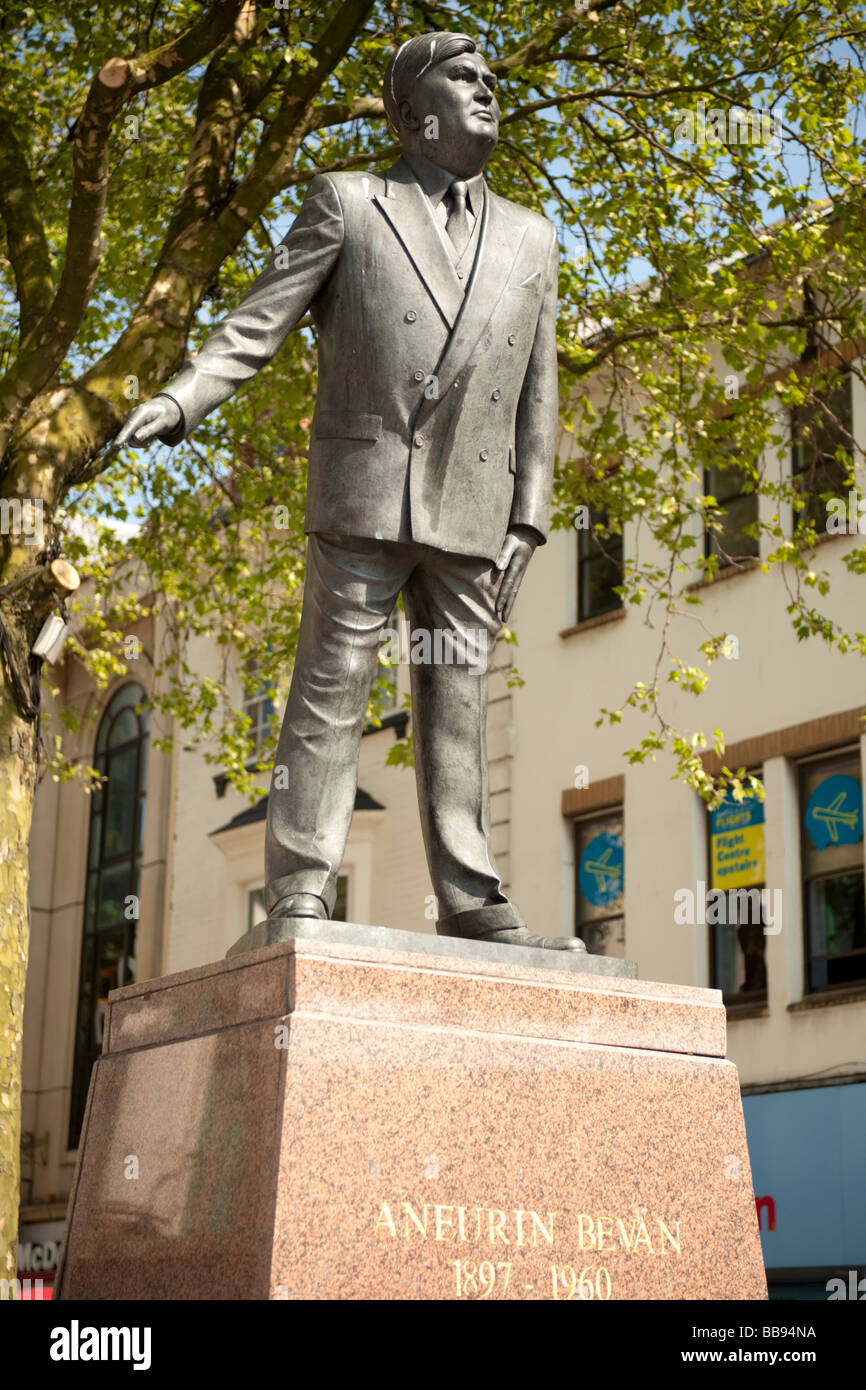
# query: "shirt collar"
{"type": "Point", "coordinates": [436, 181]}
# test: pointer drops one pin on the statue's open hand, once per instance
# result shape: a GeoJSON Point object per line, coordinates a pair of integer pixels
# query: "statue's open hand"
{"type": "Point", "coordinates": [148, 420]}
{"type": "Point", "coordinates": [516, 553]}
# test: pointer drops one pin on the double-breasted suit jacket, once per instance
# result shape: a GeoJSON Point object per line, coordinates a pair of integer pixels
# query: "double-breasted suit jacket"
{"type": "Point", "coordinates": [437, 398]}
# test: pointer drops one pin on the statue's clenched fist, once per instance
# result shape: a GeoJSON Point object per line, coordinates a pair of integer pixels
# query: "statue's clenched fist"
{"type": "Point", "coordinates": [149, 420]}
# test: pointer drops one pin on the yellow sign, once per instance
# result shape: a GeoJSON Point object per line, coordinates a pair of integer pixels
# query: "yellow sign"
{"type": "Point", "coordinates": [737, 844]}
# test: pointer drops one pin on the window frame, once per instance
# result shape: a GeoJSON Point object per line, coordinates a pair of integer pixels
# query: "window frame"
{"type": "Point", "coordinates": [741, 998]}
{"type": "Point", "coordinates": [252, 703]}
{"type": "Point", "coordinates": [815, 411]}
{"type": "Point", "coordinates": [712, 539]}
{"type": "Point", "coordinates": [586, 537]}
{"type": "Point", "coordinates": [597, 816]}
{"type": "Point", "coordinates": [832, 755]}
{"type": "Point", "coordinates": [93, 930]}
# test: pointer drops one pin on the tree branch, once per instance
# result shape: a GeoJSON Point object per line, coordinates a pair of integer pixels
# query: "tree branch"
{"type": "Point", "coordinates": [50, 337]}
{"type": "Point", "coordinates": [338, 112]}
{"type": "Point", "coordinates": [539, 49]}
{"type": "Point", "coordinates": [220, 19]}
{"type": "Point", "coordinates": [369, 157]}
{"type": "Point", "coordinates": [67, 435]}
{"type": "Point", "coordinates": [611, 340]}
{"type": "Point", "coordinates": [26, 242]}
{"type": "Point", "coordinates": [279, 144]}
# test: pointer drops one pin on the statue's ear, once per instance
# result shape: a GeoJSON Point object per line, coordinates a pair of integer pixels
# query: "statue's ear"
{"type": "Point", "coordinates": [407, 115]}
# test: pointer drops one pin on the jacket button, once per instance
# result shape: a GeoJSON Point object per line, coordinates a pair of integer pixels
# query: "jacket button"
{"type": "Point", "coordinates": [511, 338]}
{"type": "Point", "coordinates": [484, 455]}
{"type": "Point", "coordinates": [496, 395]}
{"type": "Point", "coordinates": [419, 375]}
{"type": "Point", "coordinates": [411, 316]}
{"type": "Point", "coordinates": [418, 441]}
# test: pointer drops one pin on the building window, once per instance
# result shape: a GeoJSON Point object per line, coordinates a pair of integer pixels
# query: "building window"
{"type": "Point", "coordinates": [738, 940]}
{"type": "Point", "coordinates": [113, 872]}
{"type": "Point", "coordinates": [834, 912]}
{"type": "Point", "coordinates": [821, 451]}
{"type": "Point", "coordinates": [600, 878]}
{"type": "Point", "coordinates": [599, 568]}
{"type": "Point", "coordinates": [729, 540]}
{"type": "Point", "coordinates": [258, 705]}
{"type": "Point", "coordinates": [257, 912]}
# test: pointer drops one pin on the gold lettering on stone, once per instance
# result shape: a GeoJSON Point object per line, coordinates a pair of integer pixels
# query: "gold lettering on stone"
{"type": "Point", "coordinates": [461, 1226]}
{"type": "Point", "coordinates": [497, 1224]}
{"type": "Point", "coordinates": [522, 1227]}
{"type": "Point", "coordinates": [603, 1234]}
{"type": "Point", "coordinates": [539, 1226]}
{"type": "Point", "coordinates": [385, 1219]}
{"type": "Point", "coordinates": [473, 1224]}
{"type": "Point", "coordinates": [410, 1213]}
{"type": "Point", "coordinates": [586, 1232]}
{"type": "Point", "coordinates": [442, 1221]}
{"type": "Point", "coordinates": [625, 1239]}
{"type": "Point", "coordinates": [664, 1230]}
{"type": "Point", "coordinates": [643, 1235]}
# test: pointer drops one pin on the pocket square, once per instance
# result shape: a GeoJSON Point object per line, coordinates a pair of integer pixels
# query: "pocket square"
{"type": "Point", "coordinates": [529, 279]}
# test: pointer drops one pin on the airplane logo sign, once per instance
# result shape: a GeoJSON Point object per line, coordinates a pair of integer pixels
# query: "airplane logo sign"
{"type": "Point", "coordinates": [601, 870]}
{"type": "Point", "coordinates": [834, 815]}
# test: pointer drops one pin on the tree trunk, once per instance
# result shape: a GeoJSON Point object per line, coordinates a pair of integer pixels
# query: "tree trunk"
{"type": "Point", "coordinates": [17, 790]}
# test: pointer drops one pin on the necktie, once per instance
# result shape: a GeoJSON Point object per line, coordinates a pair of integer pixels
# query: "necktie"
{"type": "Point", "coordinates": [458, 226]}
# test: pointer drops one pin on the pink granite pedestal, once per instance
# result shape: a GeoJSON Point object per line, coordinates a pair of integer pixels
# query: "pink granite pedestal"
{"type": "Point", "coordinates": [332, 1120]}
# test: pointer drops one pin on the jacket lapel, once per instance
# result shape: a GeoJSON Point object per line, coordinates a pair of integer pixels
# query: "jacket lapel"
{"type": "Point", "coordinates": [406, 208]}
{"type": "Point", "coordinates": [499, 242]}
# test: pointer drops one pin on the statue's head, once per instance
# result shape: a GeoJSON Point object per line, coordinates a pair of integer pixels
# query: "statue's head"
{"type": "Point", "coordinates": [439, 98]}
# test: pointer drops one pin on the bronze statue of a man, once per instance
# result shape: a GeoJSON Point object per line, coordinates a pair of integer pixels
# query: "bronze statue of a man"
{"type": "Point", "coordinates": [430, 469]}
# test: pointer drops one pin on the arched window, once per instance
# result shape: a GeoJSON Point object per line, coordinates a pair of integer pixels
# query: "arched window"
{"type": "Point", "coordinates": [113, 871]}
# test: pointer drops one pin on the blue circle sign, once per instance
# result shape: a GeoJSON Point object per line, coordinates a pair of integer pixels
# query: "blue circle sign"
{"type": "Point", "coordinates": [601, 870]}
{"type": "Point", "coordinates": [834, 815]}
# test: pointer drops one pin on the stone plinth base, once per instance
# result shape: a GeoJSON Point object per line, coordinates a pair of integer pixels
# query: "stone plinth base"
{"type": "Point", "coordinates": [331, 1117]}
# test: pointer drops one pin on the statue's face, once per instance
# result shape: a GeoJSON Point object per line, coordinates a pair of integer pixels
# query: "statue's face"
{"type": "Point", "coordinates": [459, 93]}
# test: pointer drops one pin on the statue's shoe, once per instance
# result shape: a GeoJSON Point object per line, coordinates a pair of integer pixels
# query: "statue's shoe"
{"type": "Point", "coordinates": [301, 905]}
{"type": "Point", "coordinates": [522, 936]}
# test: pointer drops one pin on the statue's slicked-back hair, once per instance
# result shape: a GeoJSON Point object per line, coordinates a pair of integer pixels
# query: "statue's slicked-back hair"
{"type": "Point", "coordinates": [412, 60]}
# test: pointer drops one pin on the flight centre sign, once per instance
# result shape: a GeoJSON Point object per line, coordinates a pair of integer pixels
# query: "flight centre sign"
{"type": "Point", "coordinates": [737, 844]}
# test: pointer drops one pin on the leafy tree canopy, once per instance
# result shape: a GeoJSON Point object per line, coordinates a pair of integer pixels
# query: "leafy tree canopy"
{"type": "Point", "coordinates": [706, 173]}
